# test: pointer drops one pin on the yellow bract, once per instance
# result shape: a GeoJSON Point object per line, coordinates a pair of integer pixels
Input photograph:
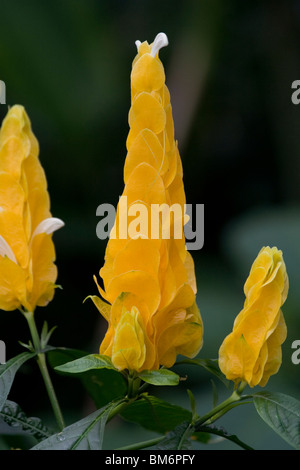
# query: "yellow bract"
{"type": "Point", "coordinates": [27, 254]}
{"type": "Point", "coordinates": [252, 352]}
{"type": "Point", "coordinates": [129, 349]}
{"type": "Point", "coordinates": [150, 281]}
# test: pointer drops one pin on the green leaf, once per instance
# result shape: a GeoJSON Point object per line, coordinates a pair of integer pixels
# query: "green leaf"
{"type": "Point", "coordinates": [211, 365]}
{"type": "Point", "coordinates": [155, 414]}
{"type": "Point", "coordinates": [102, 385]}
{"type": "Point", "coordinates": [59, 355]}
{"type": "Point", "coordinates": [193, 404]}
{"type": "Point", "coordinates": [14, 416]}
{"type": "Point", "coordinates": [201, 433]}
{"type": "Point", "coordinates": [214, 393]}
{"type": "Point", "coordinates": [46, 335]}
{"type": "Point", "coordinates": [159, 377]}
{"type": "Point", "coordinates": [8, 372]}
{"type": "Point", "coordinates": [178, 439]}
{"type": "Point", "coordinates": [86, 363]}
{"type": "Point", "coordinates": [282, 413]}
{"type": "Point", "coordinates": [86, 434]}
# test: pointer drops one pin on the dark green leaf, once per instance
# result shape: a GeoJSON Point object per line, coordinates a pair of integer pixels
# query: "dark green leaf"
{"type": "Point", "coordinates": [178, 439]}
{"type": "Point", "coordinates": [203, 431]}
{"type": "Point", "coordinates": [155, 414]}
{"type": "Point", "coordinates": [282, 413]}
{"type": "Point", "coordinates": [193, 403]}
{"type": "Point", "coordinates": [159, 377]}
{"type": "Point", "coordinates": [13, 415]}
{"type": "Point", "coordinates": [86, 434]}
{"type": "Point", "coordinates": [214, 393]}
{"type": "Point", "coordinates": [8, 372]}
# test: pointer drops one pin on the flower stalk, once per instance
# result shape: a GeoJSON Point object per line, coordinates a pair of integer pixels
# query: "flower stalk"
{"type": "Point", "coordinates": [41, 361]}
{"type": "Point", "coordinates": [143, 444]}
{"type": "Point", "coordinates": [133, 385]}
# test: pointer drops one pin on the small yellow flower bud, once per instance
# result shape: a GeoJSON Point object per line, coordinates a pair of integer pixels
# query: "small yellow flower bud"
{"type": "Point", "coordinates": [252, 352]}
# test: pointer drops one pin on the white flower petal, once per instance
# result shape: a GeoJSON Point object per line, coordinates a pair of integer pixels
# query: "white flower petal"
{"type": "Point", "coordinates": [138, 43]}
{"type": "Point", "coordinates": [160, 41]}
{"type": "Point", "coordinates": [5, 250]}
{"type": "Point", "coordinates": [48, 226]}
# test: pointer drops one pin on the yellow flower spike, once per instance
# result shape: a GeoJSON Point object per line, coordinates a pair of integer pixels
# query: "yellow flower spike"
{"type": "Point", "coordinates": [252, 352]}
{"type": "Point", "coordinates": [149, 278]}
{"type": "Point", "coordinates": [27, 254]}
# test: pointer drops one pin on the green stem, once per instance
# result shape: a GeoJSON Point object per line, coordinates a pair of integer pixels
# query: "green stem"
{"type": "Point", "coordinates": [143, 444]}
{"type": "Point", "coordinates": [133, 385]}
{"type": "Point", "coordinates": [223, 407]}
{"type": "Point", "coordinates": [41, 360]}
{"type": "Point", "coordinates": [118, 408]}
{"type": "Point", "coordinates": [33, 330]}
{"type": "Point", "coordinates": [225, 410]}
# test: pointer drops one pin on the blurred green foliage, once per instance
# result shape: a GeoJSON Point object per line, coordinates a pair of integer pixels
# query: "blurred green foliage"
{"type": "Point", "coordinates": [229, 68]}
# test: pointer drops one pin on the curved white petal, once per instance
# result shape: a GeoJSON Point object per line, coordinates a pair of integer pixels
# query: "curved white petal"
{"type": "Point", "coordinates": [5, 250]}
{"type": "Point", "coordinates": [48, 226]}
{"type": "Point", "coordinates": [138, 43]}
{"type": "Point", "coordinates": [160, 41]}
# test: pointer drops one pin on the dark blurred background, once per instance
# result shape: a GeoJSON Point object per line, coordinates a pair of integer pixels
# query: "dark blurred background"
{"type": "Point", "coordinates": [229, 67]}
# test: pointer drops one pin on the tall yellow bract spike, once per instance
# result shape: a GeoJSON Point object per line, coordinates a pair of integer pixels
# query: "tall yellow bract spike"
{"type": "Point", "coordinates": [152, 276]}
{"type": "Point", "coordinates": [27, 254]}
